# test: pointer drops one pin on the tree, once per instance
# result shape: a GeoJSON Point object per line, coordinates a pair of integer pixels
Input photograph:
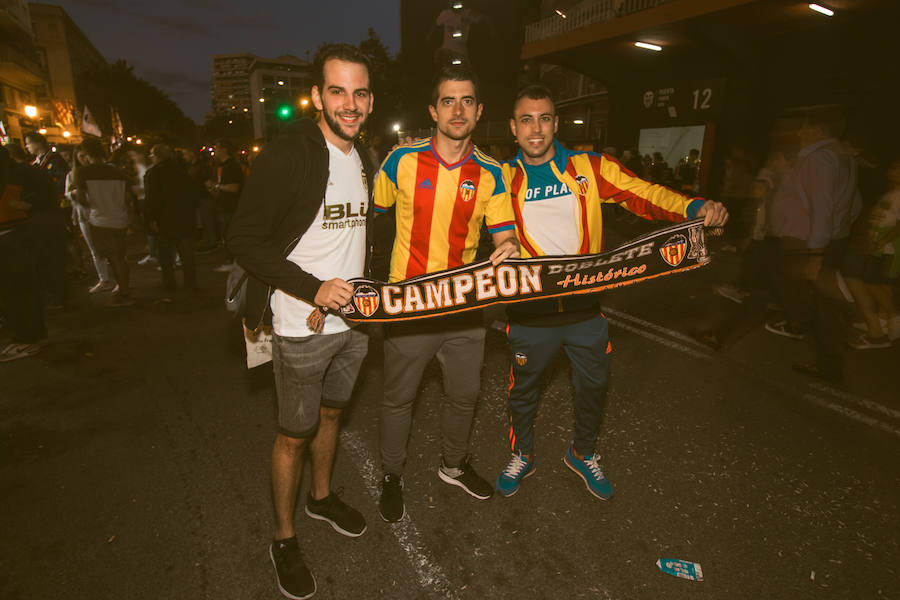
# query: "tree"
{"type": "Point", "coordinates": [145, 109]}
{"type": "Point", "coordinates": [385, 86]}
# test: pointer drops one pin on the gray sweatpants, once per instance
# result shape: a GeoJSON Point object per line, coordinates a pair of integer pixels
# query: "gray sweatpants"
{"type": "Point", "coordinates": [458, 343]}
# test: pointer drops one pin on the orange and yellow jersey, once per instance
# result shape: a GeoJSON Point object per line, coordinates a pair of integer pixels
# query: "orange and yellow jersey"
{"type": "Point", "coordinates": [557, 204]}
{"type": "Point", "coordinates": [440, 207]}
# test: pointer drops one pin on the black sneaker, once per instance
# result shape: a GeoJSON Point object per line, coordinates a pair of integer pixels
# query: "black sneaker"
{"type": "Point", "coordinates": [294, 579]}
{"type": "Point", "coordinates": [331, 509]}
{"type": "Point", "coordinates": [391, 503]}
{"type": "Point", "coordinates": [465, 477]}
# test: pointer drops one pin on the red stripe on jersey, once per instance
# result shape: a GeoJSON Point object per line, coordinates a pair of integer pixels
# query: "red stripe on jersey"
{"type": "Point", "coordinates": [517, 210]}
{"type": "Point", "coordinates": [463, 208]}
{"type": "Point", "coordinates": [423, 211]}
{"type": "Point", "coordinates": [582, 201]}
{"type": "Point", "coordinates": [635, 203]}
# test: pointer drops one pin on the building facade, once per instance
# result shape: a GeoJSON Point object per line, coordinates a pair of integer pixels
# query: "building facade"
{"type": "Point", "coordinates": [280, 89]}
{"type": "Point", "coordinates": [230, 84]}
{"type": "Point", "coordinates": [21, 77]}
{"type": "Point", "coordinates": [66, 56]}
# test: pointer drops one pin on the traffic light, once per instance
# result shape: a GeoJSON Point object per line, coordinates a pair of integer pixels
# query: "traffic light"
{"type": "Point", "coordinates": [284, 112]}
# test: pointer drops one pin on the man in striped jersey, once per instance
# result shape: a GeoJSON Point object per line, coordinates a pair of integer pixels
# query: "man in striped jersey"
{"type": "Point", "coordinates": [556, 195]}
{"type": "Point", "coordinates": [442, 189]}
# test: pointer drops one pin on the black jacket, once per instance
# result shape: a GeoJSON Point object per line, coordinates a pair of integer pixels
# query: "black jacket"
{"type": "Point", "coordinates": [171, 198]}
{"type": "Point", "coordinates": [280, 200]}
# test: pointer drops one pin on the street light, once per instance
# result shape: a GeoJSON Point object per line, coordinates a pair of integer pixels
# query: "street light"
{"type": "Point", "coordinates": [42, 131]}
{"type": "Point", "coordinates": [304, 102]}
{"type": "Point", "coordinates": [647, 46]}
{"type": "Point", "coordinates": [396, 127]}
{"type": "Point", "coordinates": [66, 134]}
{"type": "Point", "coordinates": [256, 148]}
{"type": "Point", "coordinates": [30, 111]}
{"type": "Point", "coordinates": [822, 9]}
{"type": "Point", "coordinates": [139, 141]}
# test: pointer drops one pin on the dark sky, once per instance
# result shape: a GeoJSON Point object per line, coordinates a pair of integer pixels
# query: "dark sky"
{"type": "Point", "coordinates": [171, 43]}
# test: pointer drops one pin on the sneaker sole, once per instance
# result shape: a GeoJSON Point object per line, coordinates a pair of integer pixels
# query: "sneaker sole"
{"type": "Point", "coordinates": [459, 484]}
{"type": "Point", "coordinates": [516, 489]}
{"type": "Point", "coordinates": [584, 479]}
{"type": "Point", "coordinates": [386, 520]}
{"type": "Point", "coordinates": [333, 524]}
{"type": "Point", "coordinates": [793, 336]}
{"type": "Point", "coordinates": [283, 591]}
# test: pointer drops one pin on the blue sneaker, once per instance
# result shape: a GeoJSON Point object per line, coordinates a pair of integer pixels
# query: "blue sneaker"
{"type": "Point", "coordinates": [518, 469]}
{"type": "Point", "coordinates": [589, 470]}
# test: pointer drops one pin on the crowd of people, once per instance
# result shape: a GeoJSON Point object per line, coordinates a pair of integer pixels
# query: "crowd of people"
{"type": "Point", "coordinates": [818, 234]}
{"type": "Point", "coordinates": [65, 215]}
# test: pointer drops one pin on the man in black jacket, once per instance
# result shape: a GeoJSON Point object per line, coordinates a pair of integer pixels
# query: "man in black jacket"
{"type": "Point", "coordinates": [301, 229]}
{"type": "Point", "coordinates": [171, 197]}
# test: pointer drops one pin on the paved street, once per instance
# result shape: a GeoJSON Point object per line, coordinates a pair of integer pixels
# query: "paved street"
{"type": "Point", "coordinates": [134, 464]}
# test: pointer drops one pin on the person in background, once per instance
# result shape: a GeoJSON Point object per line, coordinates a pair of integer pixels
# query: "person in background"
{"type": "Point", "coordinates": [811, 214]}
{"type": "Point", "coordinates": [140, 164]}
{"type": "Point", "coordinates": [201, 175]}
{"type": "Point", "coordinates": [24, 193]}
{"type": "Point", "coordinates": [227, 187]}
{"type": "Point", "coordinates": [172, 214]}
{"type": "Point", "coordinates": [49, 226]}
{"type": "Point", "coordinates": [104, 190]}
{"type": "Point", "coordinates": [872, 265]}
{"type": "Point", "coordinates": [80, 215]}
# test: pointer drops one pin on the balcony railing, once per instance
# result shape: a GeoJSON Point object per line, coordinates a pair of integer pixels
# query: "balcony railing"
{"type": "Point", "coordinates": [584, 14]}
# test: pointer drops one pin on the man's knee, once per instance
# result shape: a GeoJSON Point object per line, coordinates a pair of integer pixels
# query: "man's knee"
{"type": "Point", "coordinates": [329, 414]}
{"type": "Point", "coordinates": [290, 445]}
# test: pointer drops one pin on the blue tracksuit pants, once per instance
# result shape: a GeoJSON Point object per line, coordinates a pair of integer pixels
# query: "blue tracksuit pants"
{"type": "Point", "coordinates": [586, 343]}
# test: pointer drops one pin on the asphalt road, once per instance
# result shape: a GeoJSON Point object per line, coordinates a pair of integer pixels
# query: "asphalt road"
{"type": "Point", "coordinates": [134, 464]}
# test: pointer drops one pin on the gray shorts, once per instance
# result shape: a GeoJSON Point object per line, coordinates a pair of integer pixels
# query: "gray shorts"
{"type": "Point", "coordinates": [314, 371]}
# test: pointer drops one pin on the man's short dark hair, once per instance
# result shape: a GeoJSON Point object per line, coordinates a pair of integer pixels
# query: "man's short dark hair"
{"type": "Point", "coordinates": [344, 52]}
{"type": "Point", "coordinates": [534, 91]}
{"type": "Point", "coordinates": [93, 148]}
{"type": "Point", "coordinates": [34, 136]}
{"type": "Point", "coordinates": [453, 73]}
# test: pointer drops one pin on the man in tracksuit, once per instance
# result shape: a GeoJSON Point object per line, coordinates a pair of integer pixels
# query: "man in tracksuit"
{"type": "Point", "coordinates": [301, 230]}
{"type": "Point", "coordinates": [556, 195]}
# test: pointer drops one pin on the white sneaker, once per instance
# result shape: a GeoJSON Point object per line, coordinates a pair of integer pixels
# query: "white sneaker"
{"type": "Point", "coordinates": [17, 351]}
{"type": "Point", "coordinates": [101, 286]}
{"type": "Point", "coordinates": [147, 260]}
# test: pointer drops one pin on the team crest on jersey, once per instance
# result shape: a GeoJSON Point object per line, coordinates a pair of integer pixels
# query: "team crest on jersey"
{"type": "Point", "coordinates": [366, 300]}
{"type": "Point", "coordinates": [521, 359]}
{"type": "Point", "coordinates": [673, 250]}
{"type": "Point", "coordinates": [583, 184]}
{"type": "Point", "coordinates": [467, 190]}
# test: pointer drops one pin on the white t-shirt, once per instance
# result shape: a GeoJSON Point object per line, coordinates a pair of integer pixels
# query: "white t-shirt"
{"type": "Point", "coordinates": [333, 246]}
{"type": "Point", "coordinates": [550, 212]}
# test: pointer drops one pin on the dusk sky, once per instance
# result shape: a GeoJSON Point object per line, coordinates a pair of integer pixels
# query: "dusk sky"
{"type": "Point", "coordinates": [171, 44]}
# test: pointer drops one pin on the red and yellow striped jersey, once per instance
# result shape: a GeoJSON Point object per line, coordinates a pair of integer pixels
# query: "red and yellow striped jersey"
{"type": "Point", "coordinates": [440, 207]}
{"type": "Point", "coordinates": [594, 179]}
